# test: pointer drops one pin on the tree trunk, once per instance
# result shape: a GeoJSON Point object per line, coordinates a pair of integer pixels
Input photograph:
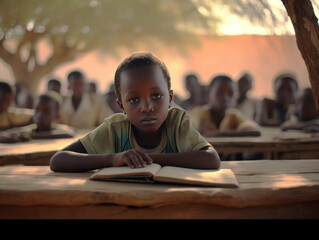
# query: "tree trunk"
{"type": "Point", "coordinates": [306, 28]}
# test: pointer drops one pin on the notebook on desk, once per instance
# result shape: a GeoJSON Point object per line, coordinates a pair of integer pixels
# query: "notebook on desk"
{"type": "Point", "coordinates": [155, 173]}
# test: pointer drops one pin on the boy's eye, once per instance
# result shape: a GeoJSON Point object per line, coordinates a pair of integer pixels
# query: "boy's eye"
{"type": "Point", "coordinates": [133, 100]}
{"type": "Point", "coordinates": [156, 96]}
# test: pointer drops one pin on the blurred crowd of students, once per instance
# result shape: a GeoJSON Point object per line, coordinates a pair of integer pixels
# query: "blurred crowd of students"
{"type": "Point", "coordinates": [225, 108]}
{"type": "Point", "coordinates": [222, 108]}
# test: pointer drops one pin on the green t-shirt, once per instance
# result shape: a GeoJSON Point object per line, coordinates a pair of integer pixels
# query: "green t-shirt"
{"type": "Point", "coordinates": [115, 135]}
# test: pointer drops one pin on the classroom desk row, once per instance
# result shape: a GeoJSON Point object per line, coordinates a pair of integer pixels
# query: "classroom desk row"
{"type": "Point", "coordinates": [272, 142]}
{"type": "Point", "coordinates": [267, 189]}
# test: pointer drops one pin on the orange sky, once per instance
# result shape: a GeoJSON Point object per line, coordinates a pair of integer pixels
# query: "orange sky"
{"type": "Point", "coordinates": [263, 56]}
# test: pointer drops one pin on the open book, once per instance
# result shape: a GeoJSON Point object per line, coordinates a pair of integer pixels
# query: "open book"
{"type": "Point", "coordinates": [156, 173]}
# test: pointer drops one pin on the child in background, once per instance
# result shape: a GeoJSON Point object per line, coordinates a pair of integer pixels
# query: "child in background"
{"type": "Point", "coordinates": [147, 131]}
{"type": "Point", "coordinates": [54, 85]}
{"type": "Point", "coordinates": [81, 109]}
{"type": "Point", "coordinates": [44, 127]}
{"type": "Point", "coordinates": [273, 112]}
{"type": "Point", "coordinates": [195, 90]}
{"type": "Point", "coordinates": [243, 102]}
{"type": "Point", "coordinates": [11, 116]}
{"type": "Point", "coordinates": [305, 115]}
{"type": "Point", "coordinates": [217, 119]}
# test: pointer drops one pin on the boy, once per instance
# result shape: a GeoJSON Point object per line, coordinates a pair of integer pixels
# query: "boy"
{"type": "Point", "coordinates": [148, 130]}
{"type": "Point", "coordinates": [196, 91]}
{"type": "Point", "coordinates": [11, 116]}
{"type": "Point", "coordinates": [273, 112]}
{"type": "Point", "coordinates": [54, 85]}
{"type": "Point", "coordinates": [47, 113]}
{"type": "Point", "coordinates": [44, 126]}
{"type": "Point", "coordinates": [81, 109]}
{"type": "Point", "coordinates": [217, 119]}
{"type": "Point", "coordinates": [304, 115]}
{"type": "Point", "coordinates": [243, 102]}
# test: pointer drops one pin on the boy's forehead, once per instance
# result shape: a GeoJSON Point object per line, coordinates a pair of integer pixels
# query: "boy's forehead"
{"type": "Point", "coordinates": [142, 75]}
{"type": "Point", "coordinates": [223, 84]}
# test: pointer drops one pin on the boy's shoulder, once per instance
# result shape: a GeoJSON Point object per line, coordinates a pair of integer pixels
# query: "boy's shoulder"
{"type": "Point", "coordinates": [116, 118]}
{"type": "Point", "coordinates": [175, 113]}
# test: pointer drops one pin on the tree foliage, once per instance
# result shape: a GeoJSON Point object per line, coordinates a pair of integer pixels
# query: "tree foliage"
{"type": "Point", "coordinates": [74, 27]}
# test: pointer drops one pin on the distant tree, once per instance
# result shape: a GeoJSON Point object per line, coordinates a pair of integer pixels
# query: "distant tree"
{"type": "Point", "coordinates": [74, 27]}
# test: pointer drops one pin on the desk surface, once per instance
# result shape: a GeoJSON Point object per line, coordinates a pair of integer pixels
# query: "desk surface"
{"type": "Point", "coordinates": [265, 185]}
{"type": "Point", "coordinates": [39, 152]}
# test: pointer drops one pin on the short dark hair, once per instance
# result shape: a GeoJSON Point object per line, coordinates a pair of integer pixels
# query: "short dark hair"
{"type": "Point", "coordinates": [51, 96]}
{"type": "Point", "coordinates": [75, 74]}
{"type": "Point", "coordinates": [54, 82]}
{"type": "Point", "coordinates": [6, 88]}
{"type": "Point", "coordinates": [286, 77]}
{"type": "Point", "coordinates": [136, 60]}
{"type": "Point", "coordinates": [220, 78]}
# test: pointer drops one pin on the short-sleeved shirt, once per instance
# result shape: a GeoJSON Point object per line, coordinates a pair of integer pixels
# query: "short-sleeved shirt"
{"type": "Point", "coordinates": [15, 117]}
{"type": "Point", "coordinates": [115, 135]}
{"type": "Point", "coordinates": [233, 120]}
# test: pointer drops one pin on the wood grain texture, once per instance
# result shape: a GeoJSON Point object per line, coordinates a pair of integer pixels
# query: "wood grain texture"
{"type": "Point", "coordinates": [264, 185]}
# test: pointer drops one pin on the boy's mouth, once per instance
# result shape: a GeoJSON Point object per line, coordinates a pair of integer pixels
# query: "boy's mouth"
{"type": "Point", "coordinates": [148, 120]}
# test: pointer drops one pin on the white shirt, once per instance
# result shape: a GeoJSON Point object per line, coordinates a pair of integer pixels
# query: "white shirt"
{"type": "Point", "coordinates": [91, 112]}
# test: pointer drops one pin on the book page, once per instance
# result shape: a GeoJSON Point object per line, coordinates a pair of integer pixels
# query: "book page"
{"type": "Point", "coordinates": [125, 171]}
{"type": "Point", "coordinates": [218, 178]}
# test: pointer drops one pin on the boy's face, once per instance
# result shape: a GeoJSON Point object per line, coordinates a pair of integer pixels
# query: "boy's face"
{"type": "Point", "coordinates": [221, 95]}
{"type": "Point", "coordinates": [244, 85]}
{"type": "Point", "coordinates": [54, 87]}
{"type": "Point", "coordinates": [5, 101]}
{"type": "Point", "coordinates": [285, 92]}
{"type": "Point", "coordinates": [77, 86]}
{"type": "Point", "coordinates": [145, 97]}
{"type": "Point", "coordinates": [45, 114]}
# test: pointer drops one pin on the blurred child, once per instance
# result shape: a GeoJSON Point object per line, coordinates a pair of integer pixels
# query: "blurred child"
{"type": "Point", "coordinates": [92, 87]}
{"type": "Point", "coordinates": [195, 90]}
{"type": "Point", "coordinates": [46, 114]}
{"type": "Point", "coordinates": [110, 99]}
{"type": "Point", "coordinates": [243, 102]}
{"type": "Point", "coordinates": [147, 131]}
{"type": "Point", "coordinates": [81, 109]}
{"type": "Point", "coordinates": [23, 99]}
{"type": "Point", "coordinates": [54, 85]}
{"type": "Point", "coordinates": [11, 116]}
{"type": "Point", "coordinates": [273, 112]}
{"type": "Point", "coordinates": [217, 119]}
{"type": "Point", "coordinates": [305, 115]}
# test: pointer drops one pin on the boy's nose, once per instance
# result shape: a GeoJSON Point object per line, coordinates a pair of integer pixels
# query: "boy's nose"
{"type": "Point", "coordinates": [147, 106]}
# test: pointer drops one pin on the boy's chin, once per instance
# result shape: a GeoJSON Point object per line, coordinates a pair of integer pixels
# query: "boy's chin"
{"type": "Point", "coordinates": [148, 128]}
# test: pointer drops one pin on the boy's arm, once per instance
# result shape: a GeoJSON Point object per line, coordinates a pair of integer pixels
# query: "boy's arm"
{"type": "Point", "coordinates": [74, 158]}
{"type": "Point", "coordinates": [206, 158]}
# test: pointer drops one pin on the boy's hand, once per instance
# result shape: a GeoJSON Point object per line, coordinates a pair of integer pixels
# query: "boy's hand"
{"type": "Point", "coordinates": [133, 158]}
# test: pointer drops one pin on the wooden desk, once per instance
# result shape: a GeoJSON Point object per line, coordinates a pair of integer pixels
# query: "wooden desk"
{"type": "Point", "coordinates": [295, 146]}
{"type": "Point", "coordinates": [268, 189]}
{"type": "Point", "coordinates": [274, 143]}
{"type": "Point", "coordinates": [35, 152]}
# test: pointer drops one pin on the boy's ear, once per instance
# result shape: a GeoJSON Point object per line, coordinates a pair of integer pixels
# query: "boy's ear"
{"type": "Point", "coordinates": [171, 97]}
{"type": "Point", "coordinates": [119, 103]}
